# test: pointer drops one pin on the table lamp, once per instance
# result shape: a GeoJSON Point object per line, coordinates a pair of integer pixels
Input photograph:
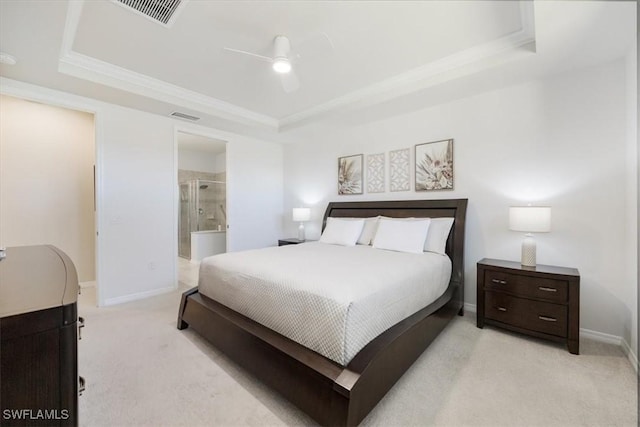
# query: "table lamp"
{"type": "Point", "coordinates": [301, 215]}
{"type": "Point", "coordinates": [530, 219]}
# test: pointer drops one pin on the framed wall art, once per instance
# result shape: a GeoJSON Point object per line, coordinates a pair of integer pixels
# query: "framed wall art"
{"type": "Point", "coordinates": [434, 165]}
{"type": "Point", "coordinates": [375, 173]}
{"type": "Point", "coordinates": [350, 174]}
{"type": "Point", "coordinates": [399, 179]}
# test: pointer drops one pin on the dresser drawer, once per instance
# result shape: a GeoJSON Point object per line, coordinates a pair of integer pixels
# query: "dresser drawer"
{"type": "Point", "coordinates": [526, 286]}
{"type": "Point", "coordinates": [537, 316]}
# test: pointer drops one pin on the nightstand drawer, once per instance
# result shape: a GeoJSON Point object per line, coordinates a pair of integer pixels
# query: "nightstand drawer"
{"type": "Point", "coordinates": [537, 316]}
{"type": "Point", "coordinates": [543, 301]}
{"type": "Point", "coordinates": [533, 287]}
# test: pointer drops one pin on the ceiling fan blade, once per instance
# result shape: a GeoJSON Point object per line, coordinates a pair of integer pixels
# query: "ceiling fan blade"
{"type": "Point", "coordinates": [244, 52]}
{"type": "Point", "coordinates": [290, 82]}
{"type": "Point", "coordinates": [318, 44]}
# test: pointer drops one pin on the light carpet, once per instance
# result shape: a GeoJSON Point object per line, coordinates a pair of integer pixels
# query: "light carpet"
{"type": "Point", "coordinates": [142, 371]}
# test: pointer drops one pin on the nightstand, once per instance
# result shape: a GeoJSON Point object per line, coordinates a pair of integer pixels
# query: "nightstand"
{"type": "Point", "coordinates": [541, 301]}
{"type": "Point", "coordinates": [293, 241]}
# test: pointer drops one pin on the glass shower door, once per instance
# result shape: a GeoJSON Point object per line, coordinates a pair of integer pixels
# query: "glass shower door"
{"type": "Point", "coordinates": [206, 205]}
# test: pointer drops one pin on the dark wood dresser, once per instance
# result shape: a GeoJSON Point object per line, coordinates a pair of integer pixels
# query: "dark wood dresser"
{"type": "Point", "coordinates": [542, 301]}
{"type": "Point", "coordinates": [38, 338]}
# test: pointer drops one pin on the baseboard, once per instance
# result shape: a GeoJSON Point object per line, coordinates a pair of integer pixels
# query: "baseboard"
{"type": "Point", "coordinates": [612, 339]}
{"type": "Point", "coordinates": [600, 336]}
{"type": "Point", "coordinates": [139, 295]}
{"type": "Point", "coordinates": [594, 335]}
{"type": "Point", "coordinates": [633, 358]}
{"type": "Point", "coordinates": [89, 284]}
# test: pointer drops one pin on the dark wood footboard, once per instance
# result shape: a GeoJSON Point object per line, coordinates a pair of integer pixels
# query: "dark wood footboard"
{"type": "Point", "coordinates": [330, 393]}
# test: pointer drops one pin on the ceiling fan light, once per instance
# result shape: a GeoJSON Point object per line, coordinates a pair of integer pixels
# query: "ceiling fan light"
{"type": "Point", "coordinates": [281, 65]}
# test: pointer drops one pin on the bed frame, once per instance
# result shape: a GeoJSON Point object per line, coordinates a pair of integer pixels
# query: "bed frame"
{"type": "Point", "coordinates": [332, 394]}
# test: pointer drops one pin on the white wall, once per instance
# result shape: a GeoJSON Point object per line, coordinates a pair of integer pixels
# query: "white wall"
{"type": "Point", "coordinates": [559, 142]}
{"type": "Point", "coordinates": [255, 193]}
{"type": "Point", "coordinates": [137, 193]}
{"type": "Point", "coordinates": [46, 180]}
{"type": "Point", "coordinates": [221, 163]}
{"type": "Point", "coordinates": [201, 161]}
{"type": "Point", "coordinates": [137, 237]}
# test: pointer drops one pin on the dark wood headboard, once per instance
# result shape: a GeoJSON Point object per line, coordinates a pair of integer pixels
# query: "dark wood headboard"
{"type": "Point", "coordinates": [453, 208]}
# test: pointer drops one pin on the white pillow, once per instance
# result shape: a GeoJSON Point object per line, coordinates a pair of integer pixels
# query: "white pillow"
{"type": "Point", "coordinates": [341, 231]}
{"type": "Point", "coordinates": [401, 235]}
{"type": "Point", "coordinates": [437, 236]}
{"type": "Point", "coordinates": [368, 231]}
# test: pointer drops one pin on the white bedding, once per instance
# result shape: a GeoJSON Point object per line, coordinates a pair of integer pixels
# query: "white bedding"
{"type": "Point", "coordinates": [331, 299]}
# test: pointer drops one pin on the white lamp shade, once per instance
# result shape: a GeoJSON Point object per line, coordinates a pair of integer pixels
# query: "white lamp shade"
{"type": "Point", "coordinates": [530, 219]}
{"type": "Point", "coordinates": [301, 214]}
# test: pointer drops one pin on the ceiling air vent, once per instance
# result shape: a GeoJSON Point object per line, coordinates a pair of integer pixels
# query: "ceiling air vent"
{"type": "Point", "coordinates": [184, 116]}
{"type": "Point", "coordinates": [159, 10]}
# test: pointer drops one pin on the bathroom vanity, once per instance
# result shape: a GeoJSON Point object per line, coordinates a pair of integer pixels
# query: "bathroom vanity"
{"type": "Point", "coordinates": [207, 243]}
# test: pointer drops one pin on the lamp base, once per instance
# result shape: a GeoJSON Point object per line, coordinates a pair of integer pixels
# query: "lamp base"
{"type": "Point", "coordinates": [528, 251]}
{"type": "Point", "coordinates": [301, 236]}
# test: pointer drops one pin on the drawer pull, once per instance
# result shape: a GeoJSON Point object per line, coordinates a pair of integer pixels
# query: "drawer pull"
{"type": "Point", "coordinates": [544, 288]}
{"type": "Point", "coordinates": [548, 319]}
{"type": "Point", "coordinates": [502, 309]}
{"type": "Point", "coordinates": [499, 282]}
{"type": "Point", "coordinates": [81, 385]}
{"type": "Point", "coordinates": [80, 326]}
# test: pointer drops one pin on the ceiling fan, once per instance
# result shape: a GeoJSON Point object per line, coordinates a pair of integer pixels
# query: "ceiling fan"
{"type": "Point", "coordinates": [283, 59]}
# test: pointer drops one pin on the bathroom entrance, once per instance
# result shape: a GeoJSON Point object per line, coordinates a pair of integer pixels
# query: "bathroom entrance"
{"type": "Point", "coordinates": [202, 210]}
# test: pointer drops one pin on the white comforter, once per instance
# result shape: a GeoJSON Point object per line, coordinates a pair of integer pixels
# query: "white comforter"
{"type": "Point", "coordinates": [331, 299]}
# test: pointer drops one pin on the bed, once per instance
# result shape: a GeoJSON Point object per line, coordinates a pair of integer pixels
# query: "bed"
{"type": "Point", "coordinates": [331, 392]}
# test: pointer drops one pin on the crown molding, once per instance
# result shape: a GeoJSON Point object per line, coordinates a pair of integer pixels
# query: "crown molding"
{"type": "Point", "coordinates": [29, 91]}
{"type": "Point", "coordinates": [74, 11]}
{"type": "Point", "coordinates": [95, 70]}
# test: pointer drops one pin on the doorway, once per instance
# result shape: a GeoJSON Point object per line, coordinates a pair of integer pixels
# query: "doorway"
{"type": "Point", "coordinates": [202, 201]}
{"type": "Point", "coordinates": [47, 181]}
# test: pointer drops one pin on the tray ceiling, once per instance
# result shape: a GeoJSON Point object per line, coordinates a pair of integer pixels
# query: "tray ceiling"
{"type": "Point", "coordinates": [107, 42]}
{"type": "Point", "coordinates": [388, 57]}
